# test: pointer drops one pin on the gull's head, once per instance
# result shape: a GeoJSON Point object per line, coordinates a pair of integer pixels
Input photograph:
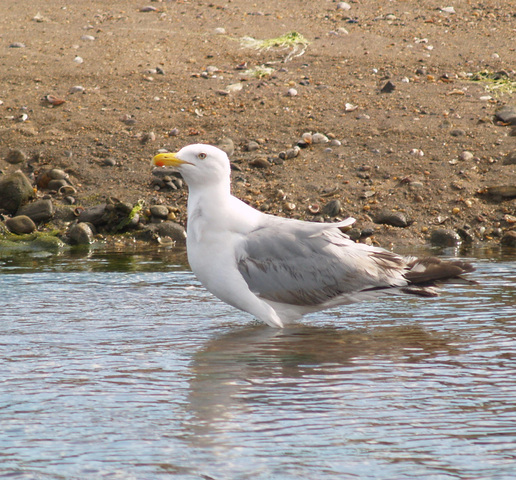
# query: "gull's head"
{"type": "Point", "coordinates": [199, 164]}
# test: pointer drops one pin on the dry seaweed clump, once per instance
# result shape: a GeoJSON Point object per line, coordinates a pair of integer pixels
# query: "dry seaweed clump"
{"type": "Point", "coordinates": [293, 41]}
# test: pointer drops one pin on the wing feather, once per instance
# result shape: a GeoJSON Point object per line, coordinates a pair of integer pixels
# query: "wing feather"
{"type": "Point", "coordinates": [307, 264]}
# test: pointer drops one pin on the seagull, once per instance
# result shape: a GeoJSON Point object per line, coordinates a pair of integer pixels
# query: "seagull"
{"type": "Point", "coordinates": [279, 269]}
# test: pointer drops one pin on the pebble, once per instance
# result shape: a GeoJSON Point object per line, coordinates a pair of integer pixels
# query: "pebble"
{"type": "Point", "coordinates": [510, 158]}
{"type": "Point", "coordinates": [292, 92]}
{"type": "Point", "coordinates": [388, 87]}
{"type": "Point", "coordinates": [252, 146]}
{"type": "Point", "coordinates": [159, 211]}
{"type": "Point", "coordinates": [332, 208]}
{"type": "Point", "coordinates": [109, 162]}
{"type": "Point", "coordinates": [148, 9]}
{"type": "Point", "coordinates": [220, 31]}
{"type": "Point", "coordinates": [457, 132]}
{"type": "Point", "coordinates": [147, 137]}
{"type": "Point", "coordinates": [77, 89]}
{"type": "Point", "coordinates": [319, 138]}
{"type": "Point", "coordinates": [335, 143]}
{"type": "Point", "coordinates": [466, 156]}
{"type": "Point", "coordinates": [343, 6]}
{"type": "Point", "coordinates": [259, 162]}
{"type": "Point", "coordinates": [443, 237]}
{"type": "Point", "coordinates": [57, 183]}
{"type": "Point", "coordinates": [395, 219]}
{"type": "Point", "coordinates": [38, 211]}
{"type": "Point", "coordinates": [227, 145]}
{"type": "Point", "coordinates": [290, 153]}
{"type": "Point", "coordinates": [506, 114]}
{"type": "Point", "coordinates": [20, 224]}
{"type": "Point", "coordinates": [80, 234]}
{"type": "Point", "coordinates": [17, 45]}
{"type": "Point", "coordinates": [417, 152]}
{"type": "Point", "coordinates": [15, 190]}
{"type": "Point", "coordinates": [174, 132]}
{"type": "Point", "coordinates": [88, 38]}
{"type": "Point", "coordinates": [15, 156]}
{"type": "Point", "coordinates": [505, 191]}
{"type": "Point", "coordinates": [78, 60]}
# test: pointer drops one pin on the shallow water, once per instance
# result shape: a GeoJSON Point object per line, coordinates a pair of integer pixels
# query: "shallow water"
{"type": "Point", "coordinates": [119, 365]}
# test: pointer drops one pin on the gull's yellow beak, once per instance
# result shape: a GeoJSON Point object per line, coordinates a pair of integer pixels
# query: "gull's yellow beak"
{"type": "Point", "coordinates": [167, 160]}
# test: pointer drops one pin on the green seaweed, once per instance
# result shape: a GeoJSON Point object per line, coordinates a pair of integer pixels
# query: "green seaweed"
{"type": "Point", "coordinates": [495, 82]}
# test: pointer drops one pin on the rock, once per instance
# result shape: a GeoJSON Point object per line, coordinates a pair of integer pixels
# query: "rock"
{"type": "Point", "coordinates": [388, 87]}
{"type": "Point", "coordinates": [20, 224]}
{"type": "Point", "coordinates": [510, 158]}
{"type": "Point", "coordinates": [290, 153]}
{"type": "Point", "coordinates": [80, 234]}
{"type": "Point", "coordinates": [465, 156]}
{"type": "Point", "coordinates": [443, 237]}
{"type": "Point", "coordinates": [259, 162]}
{"type": "Point", "coordinates": [38, 211]}
{"type": "Point", "coordinates": [252, 146]}
{"type": "Point", "coordinates": [457, 132]}
{"type": "Point", "coordinates": [227, 145]}
{"type": "Point", "coordinates": [319, 138]}
{"type": "Point", "coordinates": [332, 208]}
{"type": "Point", "coordinates": [509, 239]}
{"type": "Point", "coordinates": [57, 184]}
{"type": "Point", "coordinates": [15, 190]}
{"type": "Point", "coordinates": [159, 211]}
{"type": "Point", "coordinates": [354, 234]}
{"type": "Point", "coordinates": [15, 156]}
{"type": "Point", "coordinates": [396, 219]}
{"type": "Point", "coordinates": [94, 215]}
{"type": "Point", "coordinates": [343, 6]}
{"type": "Point", "coordinates": [167, 229]}
{"type": "Point", "coordinates": [504, 191]}
{"type": "Point", "coordinates": [506, 114]}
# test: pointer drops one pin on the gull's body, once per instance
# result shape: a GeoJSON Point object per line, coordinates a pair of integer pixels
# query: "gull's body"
{"type": "Point", "coordinates": [279, 269]}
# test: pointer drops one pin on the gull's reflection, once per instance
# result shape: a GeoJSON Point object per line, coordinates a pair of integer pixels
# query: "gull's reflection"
{"type": "Point", "coordinates": [256, 361]}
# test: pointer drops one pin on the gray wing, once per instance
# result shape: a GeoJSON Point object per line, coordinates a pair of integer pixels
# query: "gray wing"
{"type": "Point", "coordinates": [294, 262]}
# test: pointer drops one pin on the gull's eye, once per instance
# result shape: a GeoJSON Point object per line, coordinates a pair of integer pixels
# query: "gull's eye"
{"type": "Point", "coordinates": [201, 156]}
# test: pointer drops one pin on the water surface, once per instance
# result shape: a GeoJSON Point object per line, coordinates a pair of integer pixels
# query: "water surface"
{"type": "Point", "coordinates": [120, 365]}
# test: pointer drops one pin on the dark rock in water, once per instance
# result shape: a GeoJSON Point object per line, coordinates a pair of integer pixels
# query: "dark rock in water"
{"type": "Point", "coordinates": [80, 234]}
{"type": "Point", "coordinates": [15, 190]}
{"type": "Point", "coordinates": [506, 114]}
{"type": "Point", "coordinates": [38, 211]}
{"type": "Point", "coordinates": [332, 208]}
{"type": "Point", "coordinates": [395, 219]}
{"type": "Point", "coordinates": [504, 191]}
{"type": "Point", "coordinates": [94, 215]}
{"type": "Point", "coordinates": [510, 158]}
{"type": "Point", "coordinates": [159, 211]}
{"type": "Point", "coordinates": [443, 237]}
{"type": "Point", "coordinates": [388, 87]}
{"type": "Point", "coordinates": [20, 224]}
{"type": "Point", "coordinates": [509, 239]}
{"type": "Point", "coordinates": [15, 156]}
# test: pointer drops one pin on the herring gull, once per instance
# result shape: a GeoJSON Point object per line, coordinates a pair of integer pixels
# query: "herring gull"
{"type": "Point", "coordinates": [279, 269]}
